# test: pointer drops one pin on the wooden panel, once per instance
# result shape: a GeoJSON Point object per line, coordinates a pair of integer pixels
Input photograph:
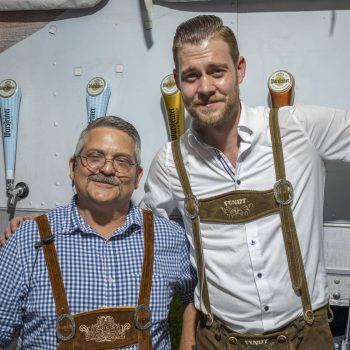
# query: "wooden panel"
{"type": "Point", "coordinates": [18, 25]}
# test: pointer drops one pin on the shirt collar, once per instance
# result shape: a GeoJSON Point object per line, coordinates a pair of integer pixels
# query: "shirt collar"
{"type": "Point", "coordinates": [134, 218]}
{"type": "Point", "coordinates": [74, 222]}
{"type": "Point", "coordinates": [245, 125]}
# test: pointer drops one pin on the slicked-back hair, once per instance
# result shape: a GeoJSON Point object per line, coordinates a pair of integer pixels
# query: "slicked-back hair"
{"type": "Point", "coordinates": [204, 27]}
{"type": "Point", "coordinates": [115, 123]}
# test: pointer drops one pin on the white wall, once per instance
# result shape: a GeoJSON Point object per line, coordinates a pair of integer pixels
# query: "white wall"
{"type": "Point", "coordinates": [309, 40]}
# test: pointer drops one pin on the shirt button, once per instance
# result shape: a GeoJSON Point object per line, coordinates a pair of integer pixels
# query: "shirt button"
{"type": "Point", "coordinates": [110, 280]}
{"type": "Point", "coordinates": [238, 182]}
{"type": "Point", "coordinates": [266, 308]}
{"type": "Point", "coordinates": [259, 275]}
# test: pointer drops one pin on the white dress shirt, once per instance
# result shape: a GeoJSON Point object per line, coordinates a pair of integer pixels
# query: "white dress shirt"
{"type": "Point", "coordinates": [246, 264]}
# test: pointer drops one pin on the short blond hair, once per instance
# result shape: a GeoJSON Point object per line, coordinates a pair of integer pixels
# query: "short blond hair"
{"type": "Point", "coordinates": [200, 28]}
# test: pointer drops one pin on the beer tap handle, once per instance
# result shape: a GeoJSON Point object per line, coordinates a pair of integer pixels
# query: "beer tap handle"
{"type": "Point", "coordinates": [281, 87]}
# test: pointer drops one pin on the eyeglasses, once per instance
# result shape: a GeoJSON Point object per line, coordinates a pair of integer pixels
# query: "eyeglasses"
{"type": "Point", "coordinates": [95, 162]}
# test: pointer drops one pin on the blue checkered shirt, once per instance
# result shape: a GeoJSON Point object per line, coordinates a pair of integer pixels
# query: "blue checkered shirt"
{"type": "Point", "coordinates": [96, 273]}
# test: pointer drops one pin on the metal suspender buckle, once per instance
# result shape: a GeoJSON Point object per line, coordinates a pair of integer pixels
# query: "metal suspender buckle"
{"type": "Point", "coordinates": [277, 191]}
{"type": "Point", "coordinates": [191, 206]}
{"type": "Point", "coordinates": [138, 324]}
{"type": "Point", "coordinates": [309, 316]}
{"type": "Point", "coordinates": [60, 318]}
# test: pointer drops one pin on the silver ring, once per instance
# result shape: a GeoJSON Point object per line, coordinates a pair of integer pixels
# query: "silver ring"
{"type": "Point", "coordinates": [60, 318]}
{"type": "Point", "coordinates": [191, 206]}
{"type": "Point", "coordinates": [139, 325]}
{"type": "Point", "coordinates": [277, 193]}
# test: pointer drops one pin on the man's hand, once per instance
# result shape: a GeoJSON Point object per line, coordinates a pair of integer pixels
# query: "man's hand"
{"type": "Point", "coordinates": [189, 327]}
{"type": "Point", "coordinates": [14, 223]}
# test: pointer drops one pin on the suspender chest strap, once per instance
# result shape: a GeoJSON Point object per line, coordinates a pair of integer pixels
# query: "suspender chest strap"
{"type": "Point", "coordinates": [243, 206]}
{"type": "Point", "coordinates": [142, 312]}
{"type": "Point", "coordinates": [192, 211]}
{"type": "Point", "coordinates": [108, 327]}
{"type": "Point", "coordinates": [65, 326]}
{"type": "Point", "coordinates": [284, 197]}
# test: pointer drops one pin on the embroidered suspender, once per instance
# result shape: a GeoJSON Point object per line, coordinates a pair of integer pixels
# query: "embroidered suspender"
{"type": "Point", "coordinates": [283, 196]}
{"type": "Point", "coordinates": [70, 329]}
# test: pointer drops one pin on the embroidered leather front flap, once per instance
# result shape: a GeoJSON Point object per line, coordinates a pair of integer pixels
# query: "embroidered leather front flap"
{"type": "Point", "coordinates": [105, 328]}
{"type": "Point", "coordinates": [237, 206]}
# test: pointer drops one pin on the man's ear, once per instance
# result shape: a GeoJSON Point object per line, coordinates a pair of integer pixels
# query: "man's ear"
{"type": "Point", "coordinates": [241, 68]}
{"type": "Point", "coordinates": [72, 165]}
{"type": "Point", "coordinates": [139, 173]}
{"type": "Point", "coordinates": [176, 77]}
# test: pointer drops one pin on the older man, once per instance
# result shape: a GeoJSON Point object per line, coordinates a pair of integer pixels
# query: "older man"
{"type": "Point", "coordinates": [98, 273]}
{"type": "Point", "coordinates": [249, 183]}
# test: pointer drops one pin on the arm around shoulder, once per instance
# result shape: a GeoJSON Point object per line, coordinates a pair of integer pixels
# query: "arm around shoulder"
{"type": "Point", "coordinates": [13, 225]}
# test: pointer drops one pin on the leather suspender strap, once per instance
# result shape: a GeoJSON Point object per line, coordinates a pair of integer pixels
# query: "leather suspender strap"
{"type": "Point", "coordinates": [65, 322]}
{"type": "Point", "coordinates": [284, 196]}
{"type": "Point", "coordinates": [192, 211]}
{"type": "Point", "coordinates": [144, 315]}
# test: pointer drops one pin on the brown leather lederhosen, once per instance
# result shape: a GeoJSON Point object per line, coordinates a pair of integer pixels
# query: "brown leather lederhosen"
{"type": "Point", "coordinates": [103, 328]}
{"type": "Point", "coordinates": [243, 206]}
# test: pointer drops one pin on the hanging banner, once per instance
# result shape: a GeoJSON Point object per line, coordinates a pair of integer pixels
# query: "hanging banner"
{"type": "Point", "coordinates": [174, 107]}
{"type": "Point", "coordinates": [10, 98]}
{"type": "Point", "coordinates": [98, 94]}
{"type": "Point", "coordinates": [19, 5]}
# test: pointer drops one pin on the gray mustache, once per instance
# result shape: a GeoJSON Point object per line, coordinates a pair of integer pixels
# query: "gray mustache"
{"type": "Point", "coordinates": [111, 180]}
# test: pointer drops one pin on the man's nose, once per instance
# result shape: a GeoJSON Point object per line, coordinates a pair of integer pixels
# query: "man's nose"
{"type": "Point", "coordinates": [108, 167]}
{"type": "Point", "coordinates": [206, 85]}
